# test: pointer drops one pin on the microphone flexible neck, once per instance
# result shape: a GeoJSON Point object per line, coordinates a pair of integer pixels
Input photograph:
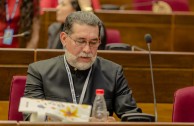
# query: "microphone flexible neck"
{"type": "Point", "coordinates": [153, 85]}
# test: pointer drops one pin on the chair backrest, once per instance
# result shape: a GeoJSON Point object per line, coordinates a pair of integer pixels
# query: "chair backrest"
{"type": "Point", "coordinates": [48, 3]}
{"type": "Point", "coordinates": [96, 4]}
{"type": "Point", "coordinates": [183, 107]}
{"type": "Point", "coordinates": [113, 36]}
{"type": "Point", "coordinates": [16, 92]}
{"type": "Point", "coordinates": [176, 5]}
{"type": "Point", "coordinates": [118, 46]}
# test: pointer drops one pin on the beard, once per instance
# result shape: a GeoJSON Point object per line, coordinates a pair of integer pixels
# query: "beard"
{"type": "Point", "coordinates": [72, 60]}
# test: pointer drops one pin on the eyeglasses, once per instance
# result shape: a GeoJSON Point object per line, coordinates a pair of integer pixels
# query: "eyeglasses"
{"type": "Point", "coordinates": [82, 42]}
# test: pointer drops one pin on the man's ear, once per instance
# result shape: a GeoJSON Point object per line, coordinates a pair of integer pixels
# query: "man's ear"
{"type": "Point", "coordinates": [63, 37]}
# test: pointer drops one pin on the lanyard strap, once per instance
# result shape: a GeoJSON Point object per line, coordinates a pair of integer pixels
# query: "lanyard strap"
{"type": "Point", "coordinates": [8, 18]}
{"type": "Point", "coordinates": [72, 85]}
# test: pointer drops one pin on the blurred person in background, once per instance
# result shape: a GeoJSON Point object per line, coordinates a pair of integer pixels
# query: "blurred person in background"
{"type": "Point", "coordinates": [64, 8]}
{"type": "Point", "coordinates": [161, 6]}
{"type": "Point", "coordinates": [16, 17]}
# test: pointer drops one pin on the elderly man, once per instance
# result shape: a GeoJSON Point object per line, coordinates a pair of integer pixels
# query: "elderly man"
{"type": "Point", "coordinates": [74, 76]}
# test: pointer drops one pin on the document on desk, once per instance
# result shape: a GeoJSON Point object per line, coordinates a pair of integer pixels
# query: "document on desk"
{"type": "Point", "coordinates": [56, 111]}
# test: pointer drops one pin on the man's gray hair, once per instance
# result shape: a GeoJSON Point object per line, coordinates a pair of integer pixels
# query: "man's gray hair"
{"type": "Point", "coordinates": [81, 17]}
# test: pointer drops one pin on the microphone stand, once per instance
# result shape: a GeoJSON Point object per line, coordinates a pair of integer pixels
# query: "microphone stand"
{"type": "Point", "coordinates": [143, 117]}
{"type": "Point", "coordinates": [148, 41]}
{"type": "Point", "coordinates": [17, 35]}
{"type": "Point", "coordinates": [137, 48]}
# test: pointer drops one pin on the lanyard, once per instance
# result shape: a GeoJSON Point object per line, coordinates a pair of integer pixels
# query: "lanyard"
{"type": "Point", "coordinates": [72, 86]}
{"type": "Point", "coordinates": [8, 18]}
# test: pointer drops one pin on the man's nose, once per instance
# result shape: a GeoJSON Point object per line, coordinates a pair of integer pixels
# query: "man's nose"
{"type": "Point", "coordinates": [87, 48]}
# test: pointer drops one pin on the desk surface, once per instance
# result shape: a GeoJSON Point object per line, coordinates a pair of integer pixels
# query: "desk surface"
{"type": "Point", "coordinates": [7, 123]}
{"type": "Point", "coordinates": [22, 123]}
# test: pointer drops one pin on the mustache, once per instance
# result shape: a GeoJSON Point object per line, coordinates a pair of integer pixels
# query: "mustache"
{"type": "Point", "coordinates": [82, 54]}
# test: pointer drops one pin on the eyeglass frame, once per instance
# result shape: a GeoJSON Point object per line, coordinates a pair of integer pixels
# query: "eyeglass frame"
{"type": "Point", "coordinates": [84, 43]}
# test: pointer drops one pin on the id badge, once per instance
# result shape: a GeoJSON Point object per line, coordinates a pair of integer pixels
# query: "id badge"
{"type": "Point", "coordinates": [8, 36]}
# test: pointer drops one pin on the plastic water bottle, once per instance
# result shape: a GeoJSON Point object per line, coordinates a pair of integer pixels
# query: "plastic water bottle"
{"type": "Point", "coordinates": [99, 110]}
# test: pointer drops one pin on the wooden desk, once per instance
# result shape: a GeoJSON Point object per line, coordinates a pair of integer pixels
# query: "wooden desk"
{"type": "Point", "coordinates": [8, 123]}
{"type": "Point", "coordinates": [170, 32]}
{"type": "Point", "coordinates": [172, 70]}
{"type": "Point", "coordinates": [106, 124]}
{"type": "Point", "coordinates": [168, 66]}
{"type": "Point", "coordinates": [22, 123]}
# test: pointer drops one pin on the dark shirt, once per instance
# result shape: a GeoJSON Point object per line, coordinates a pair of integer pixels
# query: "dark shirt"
{"type": "Point", "coordinates": [79, 78]}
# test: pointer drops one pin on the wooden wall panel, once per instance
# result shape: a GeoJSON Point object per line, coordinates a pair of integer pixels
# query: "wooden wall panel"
{"type": "Point", "coordinates": [133, 26]}
{"type": "Point", "coordinates": [170, 32]}
{"type": "Point", "coordinates": [13, 62]}
{"type": "Point", "coordinates": [6, 75]}
{"type": "Point", "coordinates": [4, 107]}
{"type": "Point", "coordinates": [139, 59]}
{"type": "Point", "coordinates": [173, 70]}
{"type": "Point", "coordinates": [125, 59]}
{"type": "Point", "coordinates": [42, 54]}
{"type": "Point", "coordinates": [191, 3]}
{"type": "Point", "coordinates": [164, 110]}
{"type": "Point", "coordinates": [185, 40]}
{"type": "Point", "coordinates": [129, 3]}
{"type": "Point", "coordinates": [183, 32]}
{"type": "Point", "coordinates": [166, 83]}
{"type": "Point", "coordinates": [46, 20]}
{"type": "Point", "coordinates": [16, 56]}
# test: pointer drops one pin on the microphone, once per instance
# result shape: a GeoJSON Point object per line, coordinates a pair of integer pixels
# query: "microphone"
{"type": "Point", "coordinates": [148, 39]}
{"type": "Point", "coordinates": [143, 117]}
{"type": "Point", "coordinates": [23, 34]}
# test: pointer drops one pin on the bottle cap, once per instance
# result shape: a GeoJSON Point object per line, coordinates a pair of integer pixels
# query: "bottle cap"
{"type": "Point", "coordinates": [100, 91]}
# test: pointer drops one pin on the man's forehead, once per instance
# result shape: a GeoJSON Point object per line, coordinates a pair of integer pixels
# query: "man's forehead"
{"type": "Point", "coordinates": [77, 26]}
{"type": "Point", "coordinates": [85, 31]}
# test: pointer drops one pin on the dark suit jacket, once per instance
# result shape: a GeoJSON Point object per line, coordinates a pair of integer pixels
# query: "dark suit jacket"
{"type": "Point", "coordinates": [48, 79]}
{"type": "Point", "coordinates": [54, 36]}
